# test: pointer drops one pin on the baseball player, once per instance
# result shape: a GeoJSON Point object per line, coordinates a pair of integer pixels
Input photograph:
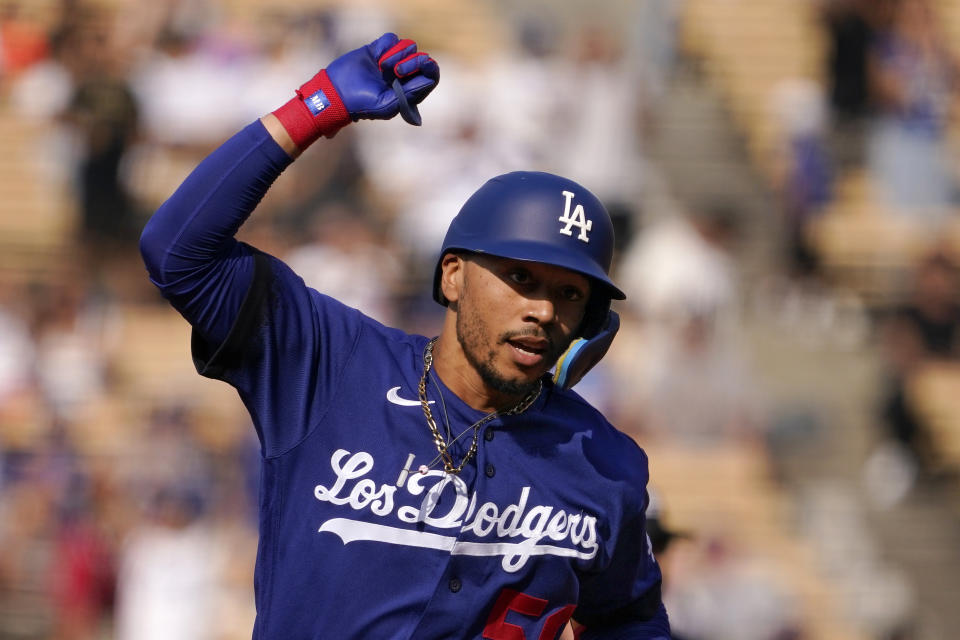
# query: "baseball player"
{"type": "Point", "coordinates": [414, 487]}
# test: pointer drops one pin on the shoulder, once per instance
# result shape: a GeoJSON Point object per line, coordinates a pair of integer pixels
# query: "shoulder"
{"type": "Point", "coordinates": [375, 342]}
{"type": "Point", "coordinates": [285, 287]}
{"type": "Point", "coordinates": [610, 453]}
{"type": "Point", "coordinates": [304, 311]}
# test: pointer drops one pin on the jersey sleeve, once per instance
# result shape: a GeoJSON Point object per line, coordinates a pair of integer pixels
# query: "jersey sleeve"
{"type": "Point", "coordinates": [256, 325]}
{"type": "Point", "coordinates": [284, 353]}
{"type": "Point", "coordinates": [623, 600]}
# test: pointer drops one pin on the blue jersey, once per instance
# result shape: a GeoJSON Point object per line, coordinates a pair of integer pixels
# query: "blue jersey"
{"type": "Point", "coordinates": [544, 523]}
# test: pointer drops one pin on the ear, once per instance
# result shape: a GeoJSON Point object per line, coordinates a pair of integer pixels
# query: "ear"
{"type": "Point", "coordinates": [451, 277]}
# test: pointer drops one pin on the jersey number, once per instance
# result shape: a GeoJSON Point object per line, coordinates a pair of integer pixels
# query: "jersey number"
{"type": "Point", "coordinates": [499, 629]}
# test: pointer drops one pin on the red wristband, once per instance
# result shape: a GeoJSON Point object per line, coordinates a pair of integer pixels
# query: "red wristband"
{"type": "Point", "coordinates": [315, 111]}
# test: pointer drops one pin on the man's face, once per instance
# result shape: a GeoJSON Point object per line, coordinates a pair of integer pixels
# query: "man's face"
{"type": "Point", "coordinates": [516, 318]}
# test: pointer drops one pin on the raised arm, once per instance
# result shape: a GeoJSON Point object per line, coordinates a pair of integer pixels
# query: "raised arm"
{"type": "Point", "coordinates": [188, 245]}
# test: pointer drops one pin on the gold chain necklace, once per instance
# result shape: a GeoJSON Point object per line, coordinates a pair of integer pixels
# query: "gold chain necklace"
{"type": "Point", "coordinates": [438, 440]}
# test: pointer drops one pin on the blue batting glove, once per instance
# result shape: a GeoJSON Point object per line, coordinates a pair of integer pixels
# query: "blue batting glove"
{"type": "Point", "coordinates": [364, 77]}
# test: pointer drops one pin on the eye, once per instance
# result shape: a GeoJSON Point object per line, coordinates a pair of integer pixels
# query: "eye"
{"type": "Point", "coordinates": [571, 293]}
{"type": "Point", "coordinates": [520, 276]}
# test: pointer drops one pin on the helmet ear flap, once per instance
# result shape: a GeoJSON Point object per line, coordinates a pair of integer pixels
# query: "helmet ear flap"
{"type": "Point", "coordinates": [584, 353]}
{"type": "Point", "coordinates": [595, 316]}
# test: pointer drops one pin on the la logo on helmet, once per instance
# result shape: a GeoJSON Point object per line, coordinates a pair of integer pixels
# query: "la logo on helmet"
{"type": "Point", "coordinates": [578, 219]}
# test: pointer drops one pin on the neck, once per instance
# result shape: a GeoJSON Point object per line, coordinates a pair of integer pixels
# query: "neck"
{"type": "Point", "coordinates": [459, 375]}
{"type": "Point", "coordinates": [450, 363]}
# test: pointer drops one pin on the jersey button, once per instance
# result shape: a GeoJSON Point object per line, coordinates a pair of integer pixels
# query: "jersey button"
{"type": "Point", "coordinates": [455, 584]}
{"type": "Point", "coordinates": [490, 470]}
{"type": "Point", "coordinates": [488, 435]}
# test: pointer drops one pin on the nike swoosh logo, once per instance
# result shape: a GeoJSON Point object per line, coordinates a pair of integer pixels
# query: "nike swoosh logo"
{"type": "Point", "coordinates": [395, 398]}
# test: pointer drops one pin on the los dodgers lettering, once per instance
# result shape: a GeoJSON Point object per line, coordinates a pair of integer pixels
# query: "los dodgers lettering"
{"type": "Point", "coordinates": [532, 524]}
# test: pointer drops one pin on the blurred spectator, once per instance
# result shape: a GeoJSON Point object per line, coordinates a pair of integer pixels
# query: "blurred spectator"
{"type": "Point", "coordinates": [344, 259]}
{"type": "Point", "coordinates": [194, 18]}
{"type": "Point", "coordinates": [27, 530]}
{"type": "Point", "coordinates": [806, 173]}
{"type": "Point", "coordinates": [598, 142]}
{"type": "Point", "coordinates": [721, 592]}
{"type": "Point", "coordinates": [168, 575]}
{"type": "Point", "coordinates": [461, 158]}
{"type": "Point", "coordinates": [681, 266]}
{"type": "Point", "coordinates": [914, 77]}
{"type": "Point", "coordinates": [169, 563]}
{"type": "Point", "coordinates": [43, 91]}
{"type": "Point", "coordinates": [287, 51]}
{"type": "Point", "coordinates": [849, 27]}
{"type": "Point", "coordinates": [186, 93]}
{"type": "Point", "coordinates": [690, 380]}
{"type": "Point", "coordinates": [40, 95]}
{"type": "Point", "coordinates": [654, 45]}
{"type": "Point", "coordinates": [17, 349]}
{"type": "Point", "coordinates": [531, 76]}
{"type": "Point", "coordinates": [23, 41]}
{"type": "Point", "coordinates": [71, 354]}
{"type": "Point", "coordinates": [105, 114]}
{"type": "Point", "coordinates": [872, 590]}
{"type": "Point", "coordinates": [56, 555]}
{"type": "Point", "coordinates": [662, 535]}
{"type": "Point", "coordinates": [169, 455]}
{"type": "Point", "coordinates": [82, 581]}
{"type": "Point", "coordinates": [926, 327]}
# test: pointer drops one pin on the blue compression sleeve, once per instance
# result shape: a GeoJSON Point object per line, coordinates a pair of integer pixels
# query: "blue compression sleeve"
{"type": "Point", "coordinates": [188, 244]}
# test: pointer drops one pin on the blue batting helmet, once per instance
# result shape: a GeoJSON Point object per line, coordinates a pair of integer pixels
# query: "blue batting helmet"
{"type": "Point", "coordinates": [541, 217]}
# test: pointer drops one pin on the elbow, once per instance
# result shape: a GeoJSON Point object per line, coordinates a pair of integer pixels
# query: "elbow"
{"type": "Point", "coordinates": [153, 248]}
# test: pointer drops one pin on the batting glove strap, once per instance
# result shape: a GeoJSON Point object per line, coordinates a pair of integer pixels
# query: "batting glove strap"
{"type": "Point", "coordinates": [317, 110]}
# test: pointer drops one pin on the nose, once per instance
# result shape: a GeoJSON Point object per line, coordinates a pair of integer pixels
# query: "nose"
{"type": "Point", "coordinates": [540, 309]}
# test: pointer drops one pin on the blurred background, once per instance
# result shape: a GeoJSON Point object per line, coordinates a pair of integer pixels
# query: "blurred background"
{"type": "Point", "coordinates": [783, 174]}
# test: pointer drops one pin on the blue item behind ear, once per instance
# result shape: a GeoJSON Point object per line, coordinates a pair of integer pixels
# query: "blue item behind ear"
{"type": "Point", "coordinates": [584, 354]}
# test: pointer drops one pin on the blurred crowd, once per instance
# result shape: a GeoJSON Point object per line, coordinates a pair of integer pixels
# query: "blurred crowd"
{"type": "Point", "coordinates": [136, 519]}
{"type": "Point", "coordinates": [884, 107]}
{"type": "Point", "coordinates": [892, 80]}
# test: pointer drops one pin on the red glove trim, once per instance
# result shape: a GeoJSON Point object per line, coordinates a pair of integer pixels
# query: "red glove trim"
{"type": "Point", "coordinates": [394, 50]}
{"type": "Point", "coordinates": [396, 67]}
{"type": "Point", "coordinates": [317, 110]}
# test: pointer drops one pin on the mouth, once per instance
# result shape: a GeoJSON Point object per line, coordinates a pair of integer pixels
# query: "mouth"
{"type": "Point", "coordinates": [529, 351]}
